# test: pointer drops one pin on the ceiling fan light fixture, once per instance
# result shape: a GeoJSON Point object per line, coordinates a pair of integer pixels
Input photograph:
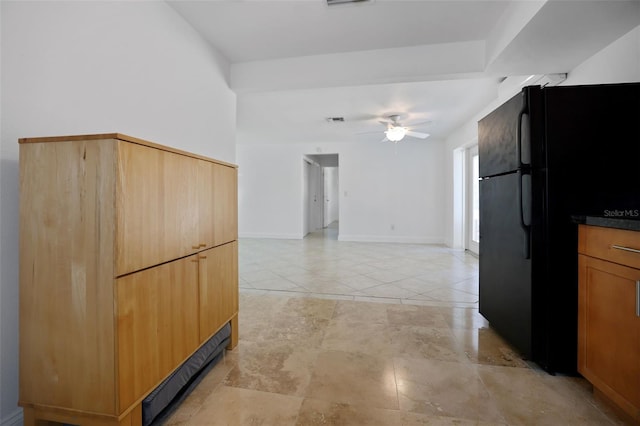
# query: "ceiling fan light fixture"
{"type": "Point", "coordinates": [395, 134]}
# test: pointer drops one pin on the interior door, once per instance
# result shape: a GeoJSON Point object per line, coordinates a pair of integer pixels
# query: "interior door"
{"type": "Point", "coordinates": [305, 197]}
{"type": "Point", "coordinates": [326, 208]}
{"type": "Point", "coordinates": [316, 204]}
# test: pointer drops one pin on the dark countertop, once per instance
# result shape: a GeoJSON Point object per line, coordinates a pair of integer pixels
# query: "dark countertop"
{"type": "Point", "coordinates": [609, 222]}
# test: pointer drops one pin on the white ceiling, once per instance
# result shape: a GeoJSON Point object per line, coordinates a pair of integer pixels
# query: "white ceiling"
{"type": "Point", "coordinates": [294, 63]}
{"type": "Point", "coordinates": [257, 30]}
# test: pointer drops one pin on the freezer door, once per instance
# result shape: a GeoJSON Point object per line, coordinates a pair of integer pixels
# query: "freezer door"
{"type": "Point", "coordinates": [505, 271]}
{"type": "Point", "coordinates": [497, 138]}
{"type": "Point", "coordinates": [511, 137]}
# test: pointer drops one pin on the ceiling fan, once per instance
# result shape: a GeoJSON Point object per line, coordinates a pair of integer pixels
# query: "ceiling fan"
{"type": "Point", "coordinates": [396, 131]}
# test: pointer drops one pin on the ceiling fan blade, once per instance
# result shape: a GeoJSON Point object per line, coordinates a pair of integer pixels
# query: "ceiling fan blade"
{"type": "Point", "coordinates": [385, 139]}
{"type": "Point", "coordinates": [417, 134]}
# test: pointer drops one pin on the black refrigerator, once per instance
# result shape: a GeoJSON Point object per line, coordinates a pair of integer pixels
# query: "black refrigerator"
{"type": "Point", "coordinates": [546, 156]}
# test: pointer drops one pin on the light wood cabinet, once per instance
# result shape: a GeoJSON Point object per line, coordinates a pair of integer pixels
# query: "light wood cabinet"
{"type": "Point", "coordinates": [128, 263]}
{"type": "Point", "coordinates": [608, 315]}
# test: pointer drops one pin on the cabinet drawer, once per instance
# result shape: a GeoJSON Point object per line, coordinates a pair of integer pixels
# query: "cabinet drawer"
{"type": "Point", "coordinates": [614, 245]}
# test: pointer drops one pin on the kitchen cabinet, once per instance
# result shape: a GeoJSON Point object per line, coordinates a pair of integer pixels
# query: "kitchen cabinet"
{"type": "Point", "coordinates": [128, 264]}
{"type": "Point", "coordinates": [609, 314]}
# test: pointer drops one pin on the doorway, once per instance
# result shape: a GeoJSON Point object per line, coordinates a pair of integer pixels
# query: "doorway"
{"type": "Point", "coordinates": [472, 200]}
{"type": "Point", "coordinates": [321, 209]}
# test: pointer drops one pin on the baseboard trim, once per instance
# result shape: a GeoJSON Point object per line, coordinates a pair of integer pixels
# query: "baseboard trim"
{"type": "Point", "coordinates": [353, 238]}
{"type": "Point", "coordinates": [389, 239]}
{"type": "Point", "coordinates": [272, 236]}
{"type": "Point", "coordinates": [15, 419]}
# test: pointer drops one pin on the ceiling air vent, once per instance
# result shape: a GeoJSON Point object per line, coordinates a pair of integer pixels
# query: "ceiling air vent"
{"type": "Point", "coordinates": [334, 2]}
{"type": "Point", "coordinates": [335, 119]}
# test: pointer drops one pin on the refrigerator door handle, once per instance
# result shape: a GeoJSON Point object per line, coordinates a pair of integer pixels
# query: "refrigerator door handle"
{"type": "Point", "coordinates": [524, 111]}
{"type": "Point", "coordinates": [519, 137]}
{"type": "Point", "coordinates": [525, 227]}
{"type": "Point", "coordinates": [523, 169]}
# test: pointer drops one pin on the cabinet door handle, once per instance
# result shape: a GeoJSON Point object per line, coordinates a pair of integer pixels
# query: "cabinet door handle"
{"type": "Point", "coordinates": [638, 298]}
{"type": "Point", "coordinates": [632, 250]}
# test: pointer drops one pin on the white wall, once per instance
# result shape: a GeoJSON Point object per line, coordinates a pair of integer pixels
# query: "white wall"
{"type": "Point", "coordinates": [270, 188]}
{"type": "Point", "coordinates": [617, 63]}
{"type": "Point", "coordinates": [92, 67]}
{"type": "Point", "coordinates": [384, 184]}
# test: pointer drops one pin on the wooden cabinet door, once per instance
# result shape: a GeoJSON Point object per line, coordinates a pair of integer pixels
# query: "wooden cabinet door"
{"type": "Point", "coordinates": [217, 204]}
{"type": "Point", "coordinates": [180, 187]}
{"type": "Point", "coordinates": [139, 208]}
{"type": "Point", "coordinates": [157, 214]}
{"type": "Point", "coordinates": [225, 213]}
{"type": "Point", "coordinates": [218, 287]}
{"type": "Point", "coordinates": [157, 325]}
{"type": "Point", "coordinates": [609, 330]}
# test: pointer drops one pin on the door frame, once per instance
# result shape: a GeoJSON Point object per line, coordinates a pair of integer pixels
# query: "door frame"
{"type": "Point", "coordinates": [313, 184]}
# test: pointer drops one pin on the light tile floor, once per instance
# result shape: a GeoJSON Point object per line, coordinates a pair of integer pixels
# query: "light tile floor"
{"type": "Point", "coordinates": [321, 266]}
{"type": "Point", "coordinates": [315, 349]}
